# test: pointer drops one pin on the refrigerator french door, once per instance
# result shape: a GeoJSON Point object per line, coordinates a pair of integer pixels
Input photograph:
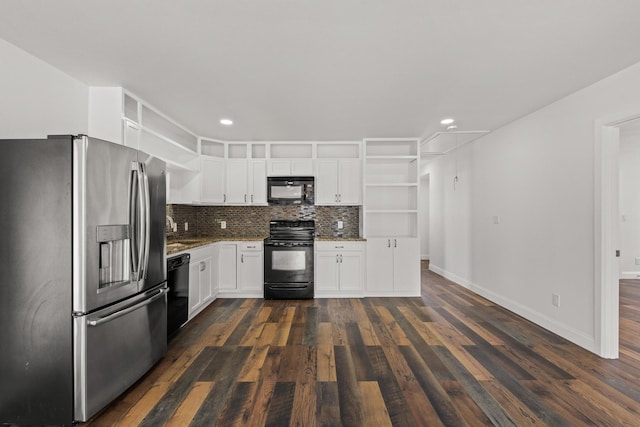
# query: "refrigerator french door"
{"type": "Point", "coordinates": [82, 297]}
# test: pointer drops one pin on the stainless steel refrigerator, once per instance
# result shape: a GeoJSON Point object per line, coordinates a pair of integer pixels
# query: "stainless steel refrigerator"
{"type": "Point", "coordinates": [82, 275]}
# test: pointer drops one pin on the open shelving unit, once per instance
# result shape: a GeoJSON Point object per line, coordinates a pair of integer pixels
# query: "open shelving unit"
{"type": "Point", "coordinates": [391, 188]}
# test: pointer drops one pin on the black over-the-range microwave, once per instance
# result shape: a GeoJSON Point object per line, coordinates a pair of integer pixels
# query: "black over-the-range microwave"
{"type": "Point", "coordinates": [289, 190]}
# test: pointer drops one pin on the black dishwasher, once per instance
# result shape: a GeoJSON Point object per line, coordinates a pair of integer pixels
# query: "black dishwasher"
{"type": "Point", "coordinates": [178, 296]}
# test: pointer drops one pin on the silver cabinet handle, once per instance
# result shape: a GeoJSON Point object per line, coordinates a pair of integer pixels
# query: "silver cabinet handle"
{"type": "Point", "coordinates": [105, 319]}
{"type": "Point", "coordinates": [340, 197]}
{"type": "Point", "coordinates": [203, 266]}
{"type": "Point", "coordinates": [340, 259]}
{"type": "Point", "coordinates": [339, 247]}
{"type": "Point", "coordinates": [245, 198]}
{"type": "Point", "coordinates": [251, 247]}
{"type": "Point", "coordinates": [252, 198]}
{"type": "Point", "coordinates": [337, 259]}
{"type": "Point", "coordinates": [336, 197]}
{"type": "Point", "coordinates": [388, 243]}
{"type": "Point", "coordinates": [224, 198]}
{"type": "Point", "coordinates": [395, 243]}
{"type": "Point", "coordinates": [242, 258]}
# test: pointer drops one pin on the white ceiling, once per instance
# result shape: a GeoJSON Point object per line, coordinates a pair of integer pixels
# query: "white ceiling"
{"type": "Point", "coordinates": [332, 69]}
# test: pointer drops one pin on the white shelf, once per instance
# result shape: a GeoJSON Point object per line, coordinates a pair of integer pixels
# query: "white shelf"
{"type": "Point", "coordinates": [162, 147]}
{"type": "Point", "coordinates": [392, 211]}
{"type": "Point", "coordinates": [395, 184]}
{"type": "Point", "coordinates": [392, 157]}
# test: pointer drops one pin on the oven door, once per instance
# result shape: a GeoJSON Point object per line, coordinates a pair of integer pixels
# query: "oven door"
{"type": "Point", "coordinates": [288, 264]}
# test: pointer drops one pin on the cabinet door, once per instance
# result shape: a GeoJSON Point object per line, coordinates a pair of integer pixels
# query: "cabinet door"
{"type": "Point", "coordinates": [279, 167]}
{"type": "Point", "coordinates": [350, 180]}
{"type": "Point", "coordinates": [301, 167]}
{"type": "Point", "coordinates": [258, 182]}
{"type": "Point", "coordinates": [326, 271]}
{"type": "Point", "coordinates": [250, 271]}
{"type": "Point", "coordinates": [131, 134]}
{"type": "Point", "coordinates": [326, 182]}
{"type": "Point", "coordinates": [227, 267]}
{"type": "Point", "coordinates": [215, 270]}
{"type": "Point", "coordinates": [205, 270]}
{"type": "Point", "coordinates": [406, 265]}
{"type": "Point", "coordinates": [379, 265]}
{"type": "Point", "coordinates": [351, 271]}
{"type": "Point", "coordinates": [212, 174]}
{"type": "Point", "coordinates": [237, 181]}
{"type": "Point", "coordinates": [194, 287]}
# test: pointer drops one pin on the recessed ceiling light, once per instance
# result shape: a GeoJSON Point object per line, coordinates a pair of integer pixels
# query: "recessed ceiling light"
{"type": "Point", "coordinates": [226, 122]}
{"type": "Point", "coordinates": [446, 121]}
{"type": "Point", "coordinates": [452, 127]}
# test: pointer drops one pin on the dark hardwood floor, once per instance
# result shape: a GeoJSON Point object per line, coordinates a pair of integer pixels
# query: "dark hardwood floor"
{"type": "Point", "coordinates": [449, 358]}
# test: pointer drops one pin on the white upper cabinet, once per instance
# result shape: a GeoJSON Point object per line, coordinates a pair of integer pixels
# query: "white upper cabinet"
{"type": "Point", "coordinates": [212, 180]}
{"type": "Point", "coordinates": [237, 182]}
{"type": "Point", "coordinates": [290, 167]}
{"type": "Point", "coordinates": [258, 182]}
{"type": "Point", "coordinates": [338, 182]}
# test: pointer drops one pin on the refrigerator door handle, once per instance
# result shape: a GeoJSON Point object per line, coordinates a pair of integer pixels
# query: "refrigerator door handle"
{"type": "Point", "coordinates": [147, 221]}
{"type": "Point", "coordinates": [105, 319]}
{"type": "Point", "coordinates": [133, 220]}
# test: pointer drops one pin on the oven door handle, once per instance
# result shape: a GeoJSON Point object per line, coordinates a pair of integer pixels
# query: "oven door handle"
{"type": "Point", "coordinates": [108, 318]}
{"type": "Point", "coordinates": [288, 286]}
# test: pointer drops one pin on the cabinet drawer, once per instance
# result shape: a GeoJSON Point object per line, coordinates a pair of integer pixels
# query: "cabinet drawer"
{"type": "Point", "coordinates": [250, 246]}
{"type": "Point", "coordinates": [339, 246]}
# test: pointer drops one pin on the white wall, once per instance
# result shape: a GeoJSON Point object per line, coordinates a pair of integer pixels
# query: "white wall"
{"type": "Point", "coordinates": [537, 175]}
{"type": "Point", "coordinates": [37, 99]}
{"type": "Point", "coordinates": [629, 202]}
{"type": "Point", "coordinates": [424, 217]}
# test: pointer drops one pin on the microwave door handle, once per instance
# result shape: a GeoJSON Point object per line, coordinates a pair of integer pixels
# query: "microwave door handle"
{"type": "Point", "coordinates": [133, 220]}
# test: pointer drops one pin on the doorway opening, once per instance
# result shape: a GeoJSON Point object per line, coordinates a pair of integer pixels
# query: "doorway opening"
{"type": "Point", "coordinates": [609, 220]}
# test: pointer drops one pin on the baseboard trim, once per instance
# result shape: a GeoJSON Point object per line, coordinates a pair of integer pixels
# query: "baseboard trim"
{"type": "Point", "coordinates": [567, 332]}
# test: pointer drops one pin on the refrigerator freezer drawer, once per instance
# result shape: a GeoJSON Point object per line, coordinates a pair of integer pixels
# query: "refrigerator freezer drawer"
{"type": "Point", "coordinates": [114, 347]}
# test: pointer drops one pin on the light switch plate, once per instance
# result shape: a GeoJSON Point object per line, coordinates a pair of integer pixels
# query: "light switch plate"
{"type": "Point", "coordinates": [223, 224]}
{"type": "Point", "coordinates": [340, 225]}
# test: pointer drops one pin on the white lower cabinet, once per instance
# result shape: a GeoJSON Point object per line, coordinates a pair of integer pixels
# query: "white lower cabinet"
{"type": "Point", "coordinates": [393, 266]}
{"type": "Point", "coordinates": [227, 267]}
{"type": "Point", "coordinates": [250, 268]}
{"type": "Point", "coordinates": [202, 279]}
{"type": "Point", "coordinates": [339, 269]}
{"type": "Point", "coordinates": [240, 266]}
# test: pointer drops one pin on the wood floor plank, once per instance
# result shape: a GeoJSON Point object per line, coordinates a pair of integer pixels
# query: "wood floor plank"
{"type": "Point", "coordinates": [304, 400]}
{"type": "Point", "coordinates": [349, 396]}
{"type": "Point", "coordinates": [279, 412]}
{"type": "Point", "coordinates": [326, 370]}
{"type": "Point", "coordinates": [375, 411]}
{"type": "Point", "coordinates": [327, 404]}
{"type": "Point", "coordinates": [190, 405]}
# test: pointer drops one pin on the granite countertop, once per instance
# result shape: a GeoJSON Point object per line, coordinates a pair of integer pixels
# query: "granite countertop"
{"type": "Point", "coordinates": [179, 245]}
{"type": "Point", "coordinates": [343, 239]}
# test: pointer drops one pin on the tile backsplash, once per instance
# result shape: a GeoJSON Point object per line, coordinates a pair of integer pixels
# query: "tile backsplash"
{"type": "Point", "coordinates": [253, 221]}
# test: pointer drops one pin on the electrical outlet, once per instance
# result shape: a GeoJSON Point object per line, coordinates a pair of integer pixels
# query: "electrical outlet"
{"type": "Point", "coordinates": [340, 225]}
{"type": "Point", "coordinates": [186, 226]}
{"type": "Point", "coordinates": [555, 300]}
{"type": "Point", "coordinates": [223, 224]}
